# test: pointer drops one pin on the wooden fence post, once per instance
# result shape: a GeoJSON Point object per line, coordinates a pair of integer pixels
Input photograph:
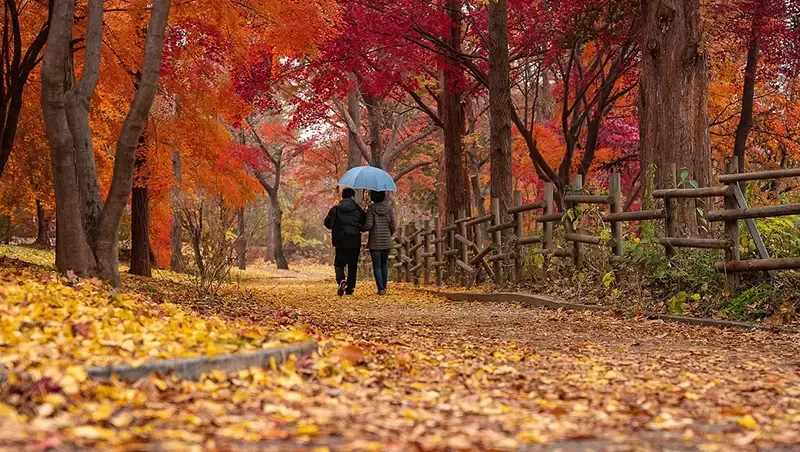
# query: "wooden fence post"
{"type": "Point", "coordinates": [547, 227]}
{"type": "Point", "coordinates": [462, 230]}
{"type": "Point", "coordinates": [671, 209]}
{"type": "Point", "coordinates": [417, 265]}
{"type": "Point", "coordinates": [518, 232]}
{"type": "Point", "coordinates": [451, 246]}
{"type": "Point", "coordinates": [437, 236]}
{"type": "Point", "coordinates": [577, 184]}
{"type": "Point", "coordinates": [468, 232]}
{"type": "Point", "coordinates": [732, 232]}
{"type": "Point", "coordinates": [616, 226]}
{"type": "Point", "coordinates": [478, 234]}
{"type": "Point", "coordinates": [397, 246]}
{"type": "Point", "coordinates": [401, 231]}
{"type": "Point", "coordinates": [426, 250]}
{"type": "Point", "coordinates": [497, 242]}
{"type": "Point", "coordinates": [410, 259]}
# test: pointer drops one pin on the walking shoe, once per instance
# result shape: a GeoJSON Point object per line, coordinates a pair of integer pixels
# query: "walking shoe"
{"type": "Point", "coordinates": [382, 292]}
{"type": "Point", "coordinates": [342, 287]}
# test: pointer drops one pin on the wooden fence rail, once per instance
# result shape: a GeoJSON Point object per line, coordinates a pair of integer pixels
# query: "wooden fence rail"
{"type": "Point", "coordinates": [468, 248]}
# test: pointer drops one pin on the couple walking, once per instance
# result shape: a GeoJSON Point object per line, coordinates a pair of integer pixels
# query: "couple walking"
{"type": "Point", "coordinates": [347, 221]}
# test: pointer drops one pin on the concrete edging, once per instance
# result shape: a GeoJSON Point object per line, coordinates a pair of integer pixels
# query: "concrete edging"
{"type": "Point", "coordinates": [193, 368]}
{"type": "Point", "coordinates": [527, 300]}
{"type": "Point", "coordinates": [546, 301]}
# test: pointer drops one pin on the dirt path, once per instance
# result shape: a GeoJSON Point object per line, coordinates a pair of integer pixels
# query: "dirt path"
{"type": "Point", "coordinates": [498, 375]}
{"type": "Point", "coordinates": [412, 371]}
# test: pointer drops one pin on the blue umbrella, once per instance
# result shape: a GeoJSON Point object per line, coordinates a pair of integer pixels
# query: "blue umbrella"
{"type": "Point", "coordinates": [368, 178]}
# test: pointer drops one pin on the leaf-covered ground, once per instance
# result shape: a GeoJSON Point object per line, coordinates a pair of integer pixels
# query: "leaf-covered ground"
{"type": "Point", "coordinates": [411, 371]}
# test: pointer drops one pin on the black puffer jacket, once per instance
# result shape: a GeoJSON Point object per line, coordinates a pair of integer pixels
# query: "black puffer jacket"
{"type": "Point", "coordinates": [345, 221]}
{"type": "Point", "coordinates": [380, 224]}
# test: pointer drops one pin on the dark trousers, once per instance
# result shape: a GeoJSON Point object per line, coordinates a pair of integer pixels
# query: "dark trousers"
{"type": "Point", "coordinates": [380, 267]}
{"type": "Point", "coordinates": [347, 257]}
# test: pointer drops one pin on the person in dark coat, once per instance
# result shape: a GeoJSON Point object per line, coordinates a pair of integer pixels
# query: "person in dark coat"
{"type": "Point", "coordinates": [345, 221]}
{"type": "Point", "coordinates": [380, 225]}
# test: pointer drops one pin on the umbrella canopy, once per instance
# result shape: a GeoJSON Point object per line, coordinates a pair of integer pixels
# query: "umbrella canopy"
{"type": "Point", "coordinates": [368, 178]}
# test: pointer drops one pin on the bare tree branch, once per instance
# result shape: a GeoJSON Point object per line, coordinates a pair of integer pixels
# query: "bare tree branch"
{"type": "Point", "coordinates": [353, 130]}
{"type": "Point", "coordinates": [261, 144]}
{"type": "Point", "coordinates": [410, 169]}
{"type": "Point", "coordinates": [393, 153]}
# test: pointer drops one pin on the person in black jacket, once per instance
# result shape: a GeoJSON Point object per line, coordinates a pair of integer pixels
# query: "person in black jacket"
{"type": "Point", "coordinates": [345, 221]}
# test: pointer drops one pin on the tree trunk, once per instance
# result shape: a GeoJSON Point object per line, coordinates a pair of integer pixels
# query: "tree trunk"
{"type": "Point", "coordinates": [456, 196]}
{"type": "Point", "coordinates": [18, 70]}
{"type": "Point", "coordinates": [65, 110]}
{"type": "Point", "coordinates": [72, 248]}
{"type": "Point", "coordinates": [473, 165]}
{"type": "Point", "coordinates": [78, 99]}
{"type": "Point", "coordinates": [241, 241]}
{"type": "Point", "coordinates": [269, 252]}
{"type": "Point", "coordinates": [140, 237]}
{"type": "Point", "coordinates": [10, 120]}
{"type": "Point", "coordinates": [375, 119]}
{"type": "Point", "coordinates": [5, 229]}
{"type": "Point", "coordinates": [441, 190]}
{"type": "Point", "coordinates": [275, 239]}
{"type": "Point", "coordinates": [276, 236]}
{"type": "Point", "coordinates": [107, 250]}
{"type": "Point", "coordinates": [543, 107]}
{"type": "Point", "coordinates": [140, 219]}
{"type": "Point", "coordinates": [176, 232]}
{"type": "Point", "coordinates": [354, 157]}
{"type": "Point", "coordinates": [499, 98]}
{"type": "Point", "coordinates": [593, 128]}
{"type": "Point", "coordinates": [477, 194]}
{"type": "Point", "coordinates": [197, 237]}
{"type": "Point", "coordinates": [455, 191]}
{"type": "Point", "coordinates": [590, 148]}
{"type": "Point", "coordinates": [748, 96]}
{"type": "Point", "coordinates": [42, 227]}
{"type": "Point", "coordinates": [673, 98]}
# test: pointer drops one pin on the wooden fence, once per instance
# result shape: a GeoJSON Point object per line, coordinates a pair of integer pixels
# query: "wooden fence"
{"type": "Point", "coordinates": [458, 250]}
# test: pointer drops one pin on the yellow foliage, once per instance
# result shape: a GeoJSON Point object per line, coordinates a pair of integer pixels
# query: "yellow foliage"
{"type": "Point", "coordinates": [51, 321]}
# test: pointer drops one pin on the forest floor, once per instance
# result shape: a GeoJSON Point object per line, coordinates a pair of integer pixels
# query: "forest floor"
{"type": "Point", "coordinates": [413, 371]}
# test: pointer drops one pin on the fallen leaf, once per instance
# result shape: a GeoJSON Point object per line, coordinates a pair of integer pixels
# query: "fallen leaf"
{"type": "Point", "coordinates": [349, 353]}
{"type": "Point", "coordinates": [747, 421]}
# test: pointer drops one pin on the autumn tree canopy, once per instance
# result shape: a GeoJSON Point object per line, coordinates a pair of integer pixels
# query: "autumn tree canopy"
{"type": "Point", "coordinates": [460, 100]}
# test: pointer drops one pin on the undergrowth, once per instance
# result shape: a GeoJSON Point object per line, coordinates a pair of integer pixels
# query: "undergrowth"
{"type": "Point", "coordinates": [648, 280]}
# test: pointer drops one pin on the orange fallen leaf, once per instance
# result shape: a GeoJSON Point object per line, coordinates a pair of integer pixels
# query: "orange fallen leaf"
{"type": "Point", "coordinates": [349, 353]}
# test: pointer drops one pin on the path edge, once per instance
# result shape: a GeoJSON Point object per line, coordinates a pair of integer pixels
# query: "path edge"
{"type": "Point", "coordinates": [193, 368]}
{"type": "Point", "coordinates": [549, 302]}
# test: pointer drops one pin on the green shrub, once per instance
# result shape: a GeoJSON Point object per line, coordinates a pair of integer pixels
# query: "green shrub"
{"type": "Point", "coordinates": [689, 270]}
{"type": "Point", "coordinates": [781, 236]}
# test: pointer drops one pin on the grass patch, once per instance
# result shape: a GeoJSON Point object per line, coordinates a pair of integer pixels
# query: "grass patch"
{"type": "Point", "coordinates": [35, 256]}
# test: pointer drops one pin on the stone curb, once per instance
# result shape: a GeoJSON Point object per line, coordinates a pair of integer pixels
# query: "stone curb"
{"type": "Point", "coordinates": [193, 368]}
{"type": "Point", "coordinates": [527, 300]}
{"type": "Point", "coordinates": [546, 301]}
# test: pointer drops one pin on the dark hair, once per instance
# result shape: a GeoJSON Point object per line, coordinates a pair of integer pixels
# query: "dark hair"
{"type": "Point", "coordinates": [377, 196]}
{"type": "Point", "coordinates": [348, 193]}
